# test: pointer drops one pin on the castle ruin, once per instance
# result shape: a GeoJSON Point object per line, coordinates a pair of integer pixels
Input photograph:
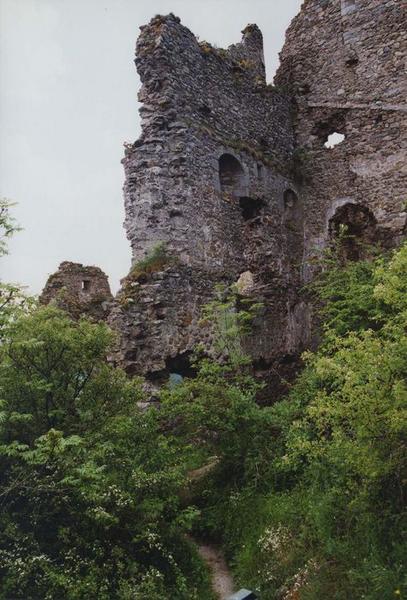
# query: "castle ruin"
{"type": "Point", "coordinates": [241, 181]}
{"type": "Point", "coordinates": [79, 290]}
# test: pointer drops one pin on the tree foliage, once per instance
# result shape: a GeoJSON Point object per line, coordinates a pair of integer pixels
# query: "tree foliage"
{"type": "Point", "coordinates": [308, 495]}
{"type": "Point", "coordinates": [90, 486]}
{"type": "Point", "coordinates": [12, 299]}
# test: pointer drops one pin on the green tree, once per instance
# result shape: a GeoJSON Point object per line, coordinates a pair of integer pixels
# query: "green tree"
{"type": "Point", "coordinates": [12, 299]}
{"type": "Point", "coordinates": [90, 487]}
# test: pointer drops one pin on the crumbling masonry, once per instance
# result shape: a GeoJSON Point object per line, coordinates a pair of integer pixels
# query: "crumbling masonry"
{"type": "Point", "coordinates": [233, 177]}
{"type": "Point", "coordinates": [79, 290]}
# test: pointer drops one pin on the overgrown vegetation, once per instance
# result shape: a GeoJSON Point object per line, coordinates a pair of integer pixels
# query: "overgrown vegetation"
{"type": "Point", "coordinates": [314, 506]}
{"type": "Point", "coordinates": [231, 316]}
{"type": "Point", "coordinates": [156, 260]}
{"type": "Point", "coordinates": [306, 496]}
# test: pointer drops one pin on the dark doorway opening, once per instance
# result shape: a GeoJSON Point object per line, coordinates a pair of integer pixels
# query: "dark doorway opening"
{"type": "Point", "coordinates": [354, 228]}
{"type": "Point", "coordinates": [251, 207]}
{"type": "Point", "coordinates": [180, 364]}
{"type": "Point", "coordinates": [231, 175]}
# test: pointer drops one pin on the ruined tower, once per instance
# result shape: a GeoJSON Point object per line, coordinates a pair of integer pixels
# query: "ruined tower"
{"type": "Point", "coordinates": [236, 177]}
{"type": "Point", "coordinates": [212, 178]}
{"type": "Point", "coordinates": [80, 290]}
{"type": "Point", "coordinates": [234, 180]}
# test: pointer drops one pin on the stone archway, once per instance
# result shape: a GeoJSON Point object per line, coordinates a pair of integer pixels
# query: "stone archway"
{"type": "Point", "coordinates": [353, 228]}
{"type": "Point", "coordinates": [232, 177]}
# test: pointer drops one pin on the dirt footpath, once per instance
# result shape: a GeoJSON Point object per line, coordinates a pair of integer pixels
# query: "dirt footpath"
{"type": "Point", "coordinates": [222, 581]}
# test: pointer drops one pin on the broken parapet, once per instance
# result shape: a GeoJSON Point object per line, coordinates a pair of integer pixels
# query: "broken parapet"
{"type": "Point", "coordinates": [80, 290]}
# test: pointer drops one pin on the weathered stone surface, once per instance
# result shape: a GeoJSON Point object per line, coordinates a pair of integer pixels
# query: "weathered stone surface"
{"type": "Point", "coordinates": [80, 290]}
{"type": "Point", "coordinates": [245, 284]}
{"type": "Point", "coordinates": [234, 176]}
{"type": "Point", "coordinates": [209, 178]}
{"type": "Point", "coordinates": [345, 64]}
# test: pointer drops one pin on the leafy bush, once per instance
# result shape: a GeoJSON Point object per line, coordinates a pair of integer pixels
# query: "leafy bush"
{"type": "Point", "coordinates": [90, 487]}
{"type": "Point", "coordinates": [307, 496]}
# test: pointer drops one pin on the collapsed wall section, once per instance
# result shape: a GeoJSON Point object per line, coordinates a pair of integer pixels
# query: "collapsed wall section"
{"type": "Point", "coordinates": [344, 64]}
{"type": "Point", "coordinates": [79, 290]}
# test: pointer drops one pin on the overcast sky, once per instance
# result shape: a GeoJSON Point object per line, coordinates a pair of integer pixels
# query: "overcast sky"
{"type": "Point", "coordinates": [68, 102]}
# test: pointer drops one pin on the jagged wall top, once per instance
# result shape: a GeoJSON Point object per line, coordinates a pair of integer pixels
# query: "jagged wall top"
{"type": "Point", "coordinates": [193, 81]}
{"type": "Point", "coordinates": [165, 38]}
{"type": "Point", "coordinates": [198, 103]}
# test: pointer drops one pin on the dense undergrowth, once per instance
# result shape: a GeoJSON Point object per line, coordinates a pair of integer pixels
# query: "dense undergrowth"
{"type": "Point", "coordinates": [306, 496]}
{"type": "Point", "coordinates": [315, 505]}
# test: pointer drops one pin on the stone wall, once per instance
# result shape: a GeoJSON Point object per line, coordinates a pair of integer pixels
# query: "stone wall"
{"type": "Point", "coordinates": [80, 290]}
{"type": "Point", "coordinates": [212, 178]}
{"type": "Point", "coordinates": [344, 62]}
{"type": "Point", "coordinates": [231, 180]}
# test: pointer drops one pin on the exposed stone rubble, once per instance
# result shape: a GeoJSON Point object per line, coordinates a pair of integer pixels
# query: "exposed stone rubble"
{"type": "Point", "coordinates": [233, 177]}
{"type": "Point", "coordinates": [208, 177]}
{"type": "Point", "coordinates": [79, 290]}
{"type": "Point", "coordinates": [345, 64]}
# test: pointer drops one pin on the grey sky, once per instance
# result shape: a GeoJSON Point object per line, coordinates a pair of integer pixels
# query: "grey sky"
{"type": "Point", "coordinates": [69, 101]}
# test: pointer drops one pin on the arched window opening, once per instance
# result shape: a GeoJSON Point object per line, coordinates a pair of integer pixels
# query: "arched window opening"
{"type": "Point", "coordinates": [353, 228]}
{"type": "Point", "coordinates": [231, 176]}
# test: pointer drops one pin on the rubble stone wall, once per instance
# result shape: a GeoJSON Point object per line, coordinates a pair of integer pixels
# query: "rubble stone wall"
{"type": "Point", "coordinates": [209, 177]}
{"type": "Point", "coordinates": [345, 64]}
{"type": "Point", "coordinates": [80, 290]}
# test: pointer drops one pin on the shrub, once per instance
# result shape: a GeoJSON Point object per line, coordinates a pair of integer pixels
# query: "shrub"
{"type": "Point", "coordinates": [90, 487]}
{"type": "Point", "coordinates": [156, 260]}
